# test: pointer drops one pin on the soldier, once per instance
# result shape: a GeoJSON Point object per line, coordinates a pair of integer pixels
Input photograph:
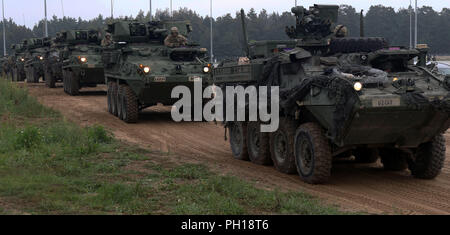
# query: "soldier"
{"type": "Point", "coordinates": [107, 41]}
{"type": "Point", "coordinates": [341, 31]}
{"type": "Point", "coordinates": [175, 39]}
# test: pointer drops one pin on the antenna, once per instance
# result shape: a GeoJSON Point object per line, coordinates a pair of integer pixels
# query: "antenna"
{"type": "Point", "coordinates": [4, 28]}
{"type": "Point", "coordinates": [244, 29]}
{"type": "Point", "coordinates": [361, 25]}
{"type": "Point", "coordinates": [46, 24]}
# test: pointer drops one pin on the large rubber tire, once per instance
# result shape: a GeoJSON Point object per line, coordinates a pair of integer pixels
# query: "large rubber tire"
{"type": "Point", "coordinates": [109, 96]}
{"type": "Point", "coordinates": [394, 159]}
{"type": "Point", "coordinates": [313, 156]}
{"type": "Point", "coordinates": [258, 144]}
{"type": "Point", "coordinates": [32, 75]}
{"type": "Point", "coordinates": [119, 102]}
{"type": "Point", "coordinates": [50, 80]}
{"type": "Point", "coordinates": [366, 155]}
{"type": "Point", "coordinates": [238, 140]}
{"type": "Point", "coordinates": [354, 45]}
{"type": "Point", "coordinates": [282, 146]}
{"type": "Point", "coordinates": [71, 83]}
{"type": "Point", "coordinates": [115, 100]}
{"type": "Point", "coordinates": [129, 104]}
{"type": "Point", "coordinates": [429, 159]}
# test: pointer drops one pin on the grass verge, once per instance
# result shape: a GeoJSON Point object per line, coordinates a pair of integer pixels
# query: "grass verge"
{"type": "Point", "coordinates": [51, 166]}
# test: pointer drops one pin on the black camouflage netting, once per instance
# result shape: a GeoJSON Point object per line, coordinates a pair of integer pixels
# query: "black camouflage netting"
{"type": "Point", "coordinates": [337, 88]}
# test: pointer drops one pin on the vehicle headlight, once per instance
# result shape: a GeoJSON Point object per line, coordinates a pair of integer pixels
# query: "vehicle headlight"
{"type": "Point", "coordinates": [41, 58]}
{"type": "Point", "coordinates": [358, 86]}
{"type": "Point", "coordinates": [146, 69]}
{"type": "Point", "coordinates": [22, 59]}
{"type": "Point", "coordinates": [206, 69]}
{"type": "Point", "coordinates": [83, 59]}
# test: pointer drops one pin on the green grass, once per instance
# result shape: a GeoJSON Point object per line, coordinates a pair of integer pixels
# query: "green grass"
{"type": "Point", "coordinates": [51, 166]}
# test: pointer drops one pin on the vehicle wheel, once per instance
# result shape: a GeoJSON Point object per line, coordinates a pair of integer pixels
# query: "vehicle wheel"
{"type": "Point", "coordinates": [282, 146]}
{"type": "Point", "coordinates": [313, 154]}
{"type": "Point", "coordinates": [15, 76]}
{"type": "Point", "coordinates": [366, 155]}
{"type": "Point", "coordinates": [238, 140]}
{"type": "Point", "coordinates": [74, 85]}
{"type": "Point", "coordinates": [258, 144]}
{"type": "Point", "coordinates": [393, 159]}
{"type": "Point", "coordinates": [114, 99]}
{"type": "Point", "coordinates": [50, 80]}
{"type": "Point", "coordinates": [429, 159]}
{"type": "Point", "coordinates": [66, 81]}
{"type": "Point", "coordinates": [109, 98]}
{"type": "Point", "coordinates": [119, 102]}
{"type": "Point", "coordinates": [130, 107]}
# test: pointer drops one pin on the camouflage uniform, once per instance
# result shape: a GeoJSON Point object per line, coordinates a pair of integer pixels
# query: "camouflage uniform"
{"type": "Point", "coordinates": [175, 39]}
{"type": "Point", "coordinates": [107, 41]}
{"type": "Point", "coordinates": [341, 31]}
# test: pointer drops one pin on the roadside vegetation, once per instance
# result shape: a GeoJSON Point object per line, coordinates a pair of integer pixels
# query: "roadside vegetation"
{"type": "Point", "coordinates": [51, 166]}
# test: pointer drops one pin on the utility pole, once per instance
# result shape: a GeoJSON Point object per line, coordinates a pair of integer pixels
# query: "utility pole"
{"type": "Point", "coordinates": [410, 26]}
{"type": "Point", "coordinates": [212, 33]}
{"type": "Point", "coordinates": [171, 9]}
{"type": "Point", "coordinates": [112, 9]}
{"type": "Point", "coordinates": [62, 8]}
{"type": "Point", "coordinates": [415, 36]}
{"type": "Point", "coordinates": [46, 24]}
{"type": "Point", "coordinates": [4, 28]}
{"type": "Point", "coordinates": [295, 2]}
{"type": "Point", "coordinates": [151, 17]}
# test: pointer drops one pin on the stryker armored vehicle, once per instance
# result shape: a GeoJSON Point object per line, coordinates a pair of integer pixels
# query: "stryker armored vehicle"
{"type": "Point", "coordinates": [141, 71]}
{"type": "Point", "coordinates": [18, 63]}
{"type": "Point", "coordinates": [53, 61]}
{"type": "Point", "coordinates": [340, 97]}
{"type": "Point", "coordinates": [82, 65]}
{"type": "Point", "coordinates": [34, 58]}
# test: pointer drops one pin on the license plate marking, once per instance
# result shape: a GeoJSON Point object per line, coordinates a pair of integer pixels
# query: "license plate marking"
{"type": "Point", "coordinates": [394, 102]}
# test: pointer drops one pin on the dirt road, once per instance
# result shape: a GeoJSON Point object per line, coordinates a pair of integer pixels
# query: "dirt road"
{"type": "Point", "coordinates": [353, 187]}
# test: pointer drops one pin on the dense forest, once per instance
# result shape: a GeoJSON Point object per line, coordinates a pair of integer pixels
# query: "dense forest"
{"type": "Point", "coordinates": [434, 27]}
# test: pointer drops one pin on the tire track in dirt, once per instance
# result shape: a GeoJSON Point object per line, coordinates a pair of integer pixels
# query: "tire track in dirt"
{"type": "Point", "coordinates": [353, 187]}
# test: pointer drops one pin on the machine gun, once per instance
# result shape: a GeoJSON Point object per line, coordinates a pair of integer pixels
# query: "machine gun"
{"type": "Point", "coordinates": [314, 26]}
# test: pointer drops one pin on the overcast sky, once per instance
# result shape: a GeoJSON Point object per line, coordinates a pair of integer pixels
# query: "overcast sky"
{"type": "Point", "coordinates": [29, 12]}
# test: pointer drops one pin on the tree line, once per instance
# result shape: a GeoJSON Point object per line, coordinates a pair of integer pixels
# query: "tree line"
{"type": "Point", "coordinates": [380, 21]}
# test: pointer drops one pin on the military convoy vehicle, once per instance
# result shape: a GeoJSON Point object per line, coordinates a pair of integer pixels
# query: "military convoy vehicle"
{"type": "Point", "coordinates": [340, 97]}
{"type": "Point", "coordinates": [82, 65]}
{"type": "Point", "coordinates": [18, 63]}
{"type": "Point", "coordinates": [34, 58]}
{"type": "Point", "coordinates": [53, 61]}
{"type": "Point", "coordinates": [141, 71]}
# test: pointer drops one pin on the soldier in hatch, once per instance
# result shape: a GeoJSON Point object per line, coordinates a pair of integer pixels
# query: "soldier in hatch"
{"type": "Point", "coordinates": [175, 39]}
{"type": "Point", "coordinates": [107, 41]}
{"type": "Point", "coordinates": [341, 31]}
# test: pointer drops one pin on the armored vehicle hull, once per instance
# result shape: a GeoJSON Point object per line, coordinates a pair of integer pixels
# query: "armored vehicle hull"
{"type": "Point", "coordinates": [82, 65]}
{"type": "Point", "coordinates": [141, 72]}
{"type": "Point", "coordinates": [78, 74]}
{"type": "Point", "coordinates": [365, 102]}
{"type": "Point", "coordinates": [34, 68]}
